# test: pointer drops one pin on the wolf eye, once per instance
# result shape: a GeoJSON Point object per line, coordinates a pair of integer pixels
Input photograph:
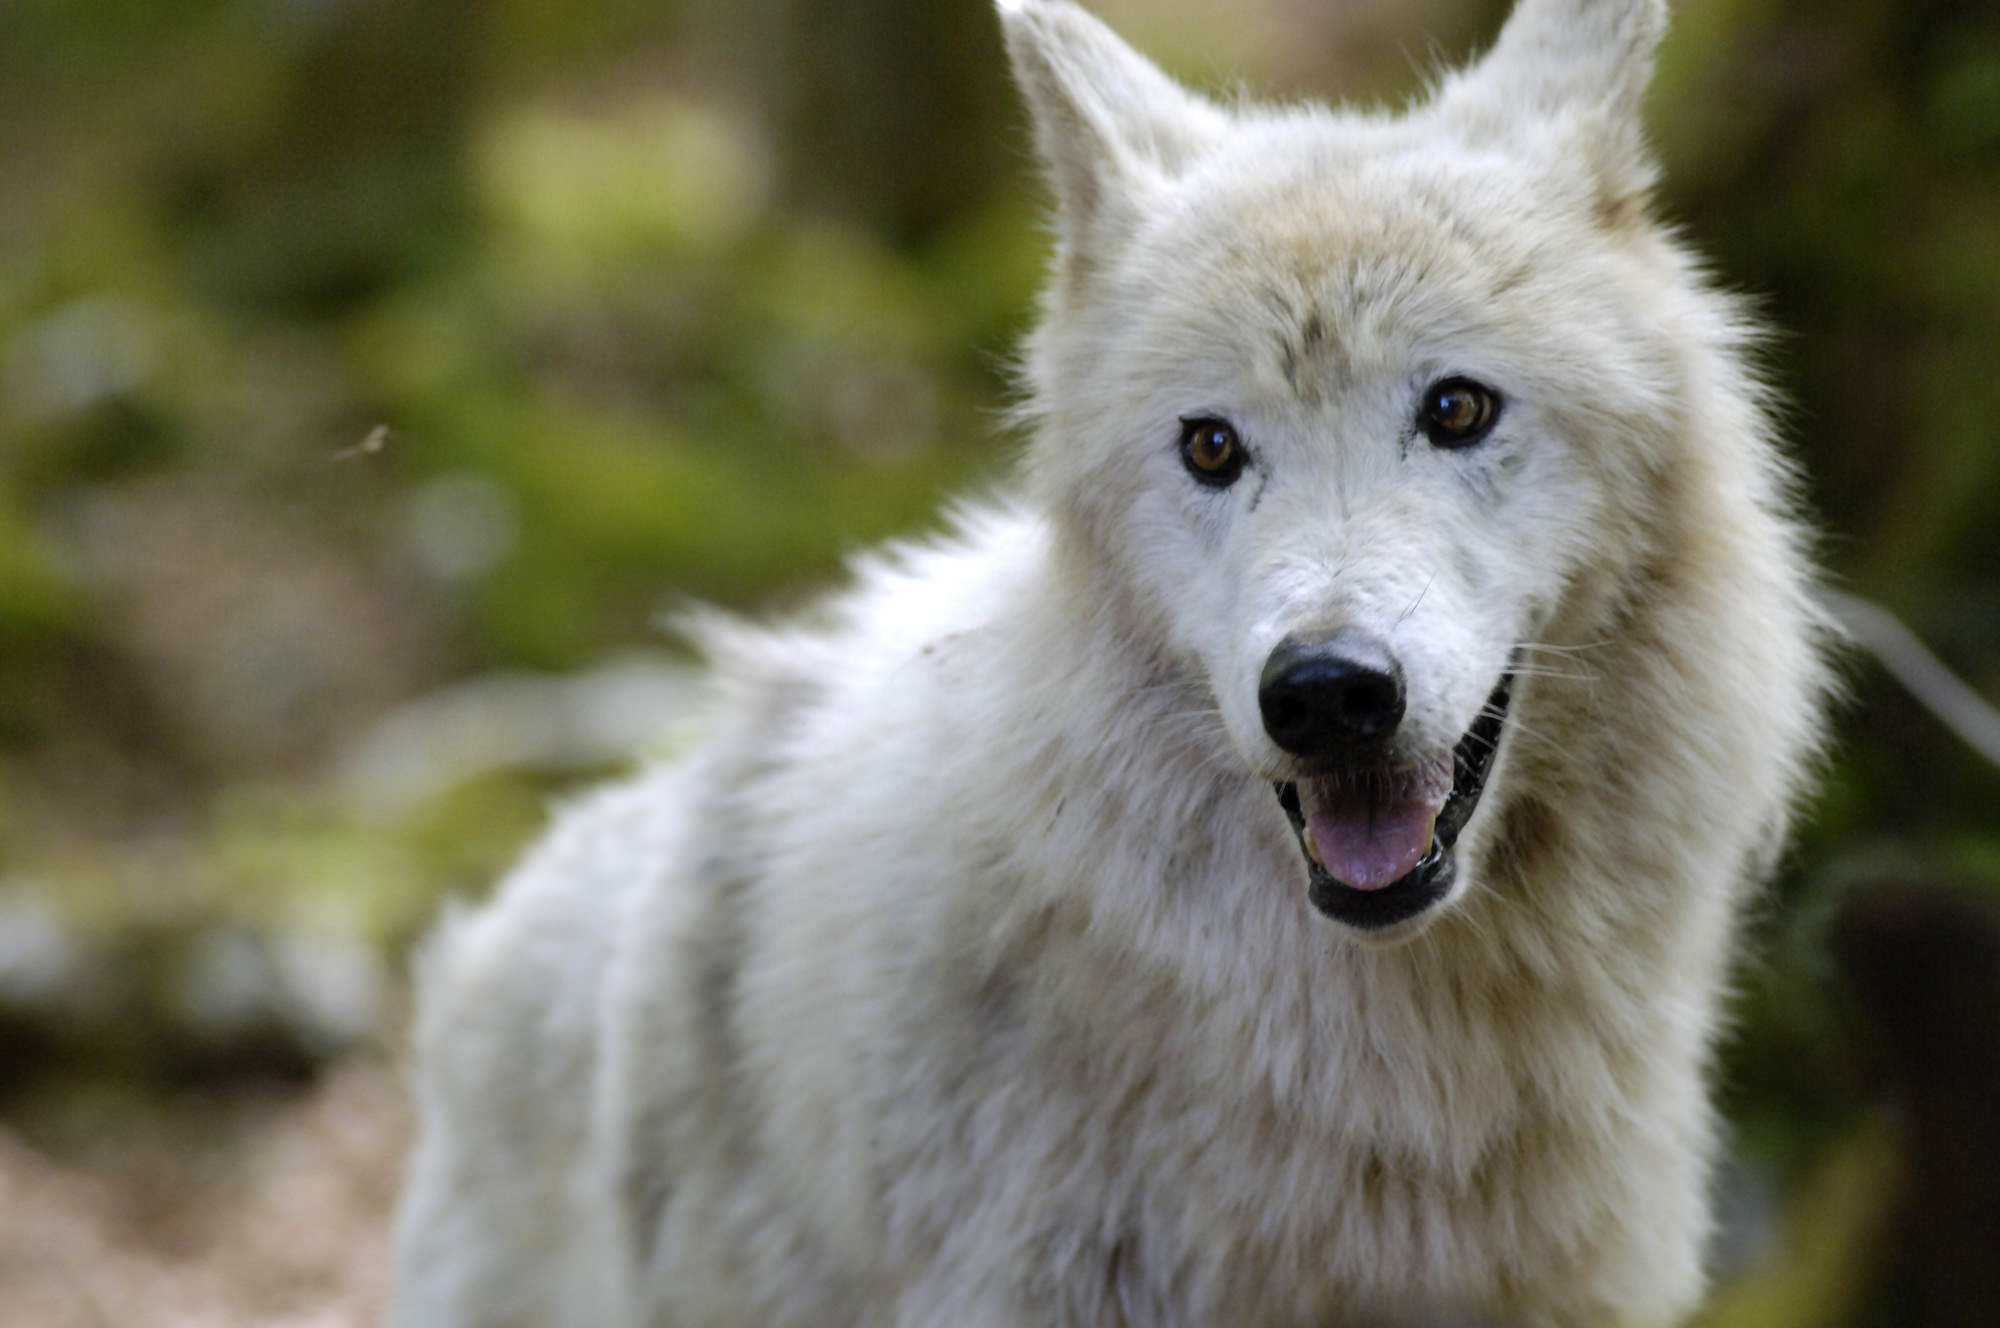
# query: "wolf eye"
{"type": "Point", "coordinates": [1458, 412]}
{"type": "Point", "coordinates": [1211, 450]}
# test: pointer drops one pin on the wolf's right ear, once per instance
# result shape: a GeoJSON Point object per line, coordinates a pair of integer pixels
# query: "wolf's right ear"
{"type": "Point", "coordinates": [1583, 64]}
{"type": "Point", "coordinates": [1108, 123]}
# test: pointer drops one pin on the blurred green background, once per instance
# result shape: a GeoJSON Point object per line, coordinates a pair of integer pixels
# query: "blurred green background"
{"type": "Point", "coordinates": [375, 373]}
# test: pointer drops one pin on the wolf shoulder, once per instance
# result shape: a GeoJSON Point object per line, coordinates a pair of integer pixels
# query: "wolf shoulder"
{"type": "Point", "coordinates": [794, 728]}
{"type": "Point", "coordinates": [646, 959]}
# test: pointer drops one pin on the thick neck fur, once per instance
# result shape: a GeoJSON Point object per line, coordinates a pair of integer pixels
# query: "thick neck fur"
{"type": "Point", "coordinates": [1542, 1034]}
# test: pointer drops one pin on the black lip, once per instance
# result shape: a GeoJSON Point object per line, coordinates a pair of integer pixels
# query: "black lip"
{"type": "Point", "coordinates": [1430, 880]}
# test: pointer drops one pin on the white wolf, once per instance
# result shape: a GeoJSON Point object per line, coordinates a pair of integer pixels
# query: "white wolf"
{"type": "Point", "coordinates": [1280, 867]}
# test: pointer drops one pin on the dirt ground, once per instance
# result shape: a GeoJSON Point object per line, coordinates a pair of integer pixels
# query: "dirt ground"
{"type": "Point", "coordinates": [258, 1207]}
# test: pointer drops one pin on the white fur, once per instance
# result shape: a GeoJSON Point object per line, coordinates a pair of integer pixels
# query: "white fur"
{"type": "Point", "coordinates": [965, 974]}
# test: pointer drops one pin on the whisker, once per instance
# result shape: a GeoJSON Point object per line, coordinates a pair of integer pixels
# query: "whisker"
{"type": "Point", "coordinates": [1513, 724]}
{"type": "Point", "coordinates": [1539, 671]}
{"type": "Point", "coordinates": [1555, 649]}
{"type": "Point", "coordinates": [1419, 599]}
{"type": "Point", "coordinates": [1164, 685]}
{"type": "Point", "coordinates": [1485, 890]}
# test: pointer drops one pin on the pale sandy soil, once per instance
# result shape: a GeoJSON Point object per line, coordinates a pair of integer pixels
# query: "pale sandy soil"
{"type": "Point", "coordinates": [257, 1209]}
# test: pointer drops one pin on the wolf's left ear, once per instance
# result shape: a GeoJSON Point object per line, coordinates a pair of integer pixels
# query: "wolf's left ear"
{"type": "Point", "coordinates": [1580, 67]}
{"type": "Point", "coordinates": [1107, 120]}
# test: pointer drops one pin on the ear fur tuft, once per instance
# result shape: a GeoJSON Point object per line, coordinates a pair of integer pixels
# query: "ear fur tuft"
{"type": "Point", "coordinates": [1107, 121]}
{"type": "Point", "coordinates": [1582, 65]}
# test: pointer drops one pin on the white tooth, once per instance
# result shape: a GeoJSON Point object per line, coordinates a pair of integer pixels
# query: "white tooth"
{"type": "Point", "coordinates": [1312, 849]}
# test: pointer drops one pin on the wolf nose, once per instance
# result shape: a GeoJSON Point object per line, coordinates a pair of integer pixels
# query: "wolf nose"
{"type": "Point", "coordinates": [1321, 695]}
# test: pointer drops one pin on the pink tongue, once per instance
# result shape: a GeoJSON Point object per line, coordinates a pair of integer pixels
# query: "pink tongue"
{"type": "Point", "coordinates": [1371, 847]}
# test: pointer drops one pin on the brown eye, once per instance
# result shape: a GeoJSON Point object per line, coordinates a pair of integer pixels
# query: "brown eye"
{"type": "Point", "coordinates": [1211, 450]}
{"type": "Point", "coordinates": [1458, 412]}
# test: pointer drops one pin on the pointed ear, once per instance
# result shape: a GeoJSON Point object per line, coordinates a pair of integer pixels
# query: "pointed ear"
{"type": "Point", "coordinates": [1107, 121]}
{"type": "Point", "coordinates": [1583, 67]}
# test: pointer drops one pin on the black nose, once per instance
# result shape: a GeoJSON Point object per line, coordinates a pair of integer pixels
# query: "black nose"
{"type": "Point", "coordinates": [1322, 695]}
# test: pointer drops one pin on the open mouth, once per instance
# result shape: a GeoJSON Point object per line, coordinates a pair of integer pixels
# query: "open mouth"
{"type": "Point", "coordinates": [1378, 843]}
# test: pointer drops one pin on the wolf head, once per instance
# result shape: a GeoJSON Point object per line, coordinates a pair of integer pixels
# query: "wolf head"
{"type": "Point", "coordinates": [1350, 414]}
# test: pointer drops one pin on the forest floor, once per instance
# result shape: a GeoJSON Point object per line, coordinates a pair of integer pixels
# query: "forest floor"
{"type": "Point", "coordinates": [256, 1207]}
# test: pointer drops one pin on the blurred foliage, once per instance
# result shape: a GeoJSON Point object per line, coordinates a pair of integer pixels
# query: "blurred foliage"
{"type": "Point", "coordinates": [350, 349]}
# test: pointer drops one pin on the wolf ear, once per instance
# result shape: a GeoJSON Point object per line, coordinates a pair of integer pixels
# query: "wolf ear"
{"type": "Point", "coordinates": [1108, 122]}
{"type": "Point", "coordinates": [1583, 67]}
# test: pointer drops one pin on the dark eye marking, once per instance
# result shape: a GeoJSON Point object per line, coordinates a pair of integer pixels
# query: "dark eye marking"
{"type": "Point", "coordinates": [1211, 450]}
{"type": "Point", "coordinates": [1458, 412]}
